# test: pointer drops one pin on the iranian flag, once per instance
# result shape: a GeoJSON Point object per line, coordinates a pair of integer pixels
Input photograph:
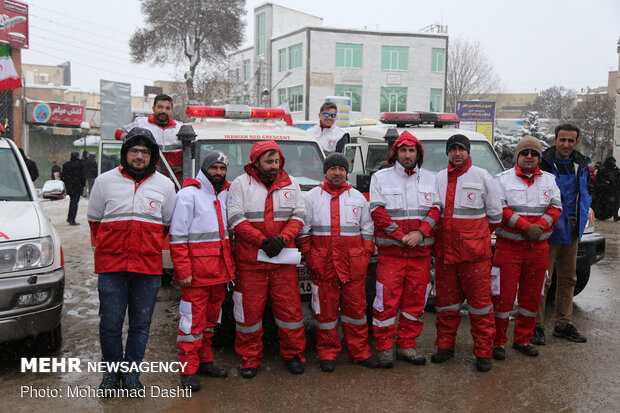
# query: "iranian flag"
{"type": "Point", "coordinates": [9, 79]}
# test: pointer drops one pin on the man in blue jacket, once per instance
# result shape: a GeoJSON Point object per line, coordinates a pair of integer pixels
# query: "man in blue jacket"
{"type": "Point", "coordinates": [570, 168]}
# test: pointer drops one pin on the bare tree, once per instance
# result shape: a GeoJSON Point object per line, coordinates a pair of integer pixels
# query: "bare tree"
{"type": "Point", "coordinates": [194, 32]}
{"type": "Point", "coordinates": [469, 73]}
{"type": "Point", "coordinates": [555, 102]}
{"type": "Point", "coordinates": [595, 116]}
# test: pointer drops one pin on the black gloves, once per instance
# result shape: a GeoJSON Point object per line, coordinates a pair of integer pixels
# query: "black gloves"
{"type": "Point", "coordinates": [273, 245]}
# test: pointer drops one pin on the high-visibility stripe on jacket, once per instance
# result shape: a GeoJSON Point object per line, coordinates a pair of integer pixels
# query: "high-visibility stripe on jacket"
{"type": "Point", "coordinates": [199, 242]}
{"type": "Point", "coordinates": [339, 230]}
{"type": "Point", "coordinates": [526, 201]}
{"type": "Point", "coordinates": [401, 203]}
{"type": "Point", "coordinates": [166, 137]}
{"type": "Point", "coordinates": [256, 213]}
{"type": "Point", "coordinates": [470, 203]}
{"type": "Point", "coordinates": [129, 221]}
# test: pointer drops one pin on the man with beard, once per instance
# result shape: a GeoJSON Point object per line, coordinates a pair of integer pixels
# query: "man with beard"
{"type": "Point", "coordinates": [203, 264]}
{"type": "Point", "coordinates": [401, 204]}
{"type": "Point", "coordinates": [266, 211]}
{"type": "Point", "coordinates": [129, 213]}
{"type": "Point", "coordinates": [336, 241]}
{"type": "Point", "coordinates": [471, 209]}
{"type": "Point", "coordinates": [164, 130]}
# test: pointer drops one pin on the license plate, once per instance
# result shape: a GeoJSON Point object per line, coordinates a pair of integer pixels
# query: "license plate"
{"type": "Point", "coordinates": [304, 281]}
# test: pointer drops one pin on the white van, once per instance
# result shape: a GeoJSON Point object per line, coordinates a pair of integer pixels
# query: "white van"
{"type": "Point", "coordinates": [32, 274]}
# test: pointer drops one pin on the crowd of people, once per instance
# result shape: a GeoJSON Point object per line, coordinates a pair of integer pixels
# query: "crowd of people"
{"type": "Point", "coordinates": [537, 208]}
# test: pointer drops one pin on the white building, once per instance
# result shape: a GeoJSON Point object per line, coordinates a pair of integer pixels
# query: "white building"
{"type": "Point", "coordinates": [296, 59]}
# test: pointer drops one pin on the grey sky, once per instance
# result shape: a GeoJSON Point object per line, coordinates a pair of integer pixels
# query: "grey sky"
{"type": "Point", "coordinates": [533, 44]}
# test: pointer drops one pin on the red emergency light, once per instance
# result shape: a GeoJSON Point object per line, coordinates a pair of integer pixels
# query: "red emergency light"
{"type": "Point", "coordinates": [402, 119]}
{"type": "Point", "coordinates": [237, 112]}
{"type": "Point", "coordinates": [205, 111]}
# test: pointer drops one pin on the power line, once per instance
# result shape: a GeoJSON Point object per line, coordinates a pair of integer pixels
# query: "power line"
{"type": "Point", "coordinates": [94, 67]}
{"type": "Point", "coordinates": [74, 28]}
{"type": "Point", "coordinates": [76, 18]}
{"type": "Point", "coordinates": [79, 40]}
{"type": "Point", "coordinates": [83, 50]}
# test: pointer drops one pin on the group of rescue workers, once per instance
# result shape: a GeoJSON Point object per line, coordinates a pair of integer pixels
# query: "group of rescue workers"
{"type": "Point", "coordinates": [412, 213]}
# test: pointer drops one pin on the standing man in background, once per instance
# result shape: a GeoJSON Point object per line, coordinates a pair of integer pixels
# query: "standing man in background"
{"type": "Point", "coordinates": [570, 169]}
{"type": "Point", "coordinates": [330, 137]}
{"type": "Point", "coordinates": [74, 177]}
{"type": "Point", "coordinates": [164, 130]}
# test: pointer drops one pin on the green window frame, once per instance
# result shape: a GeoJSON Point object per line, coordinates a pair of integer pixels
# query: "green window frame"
{"type": "Point", "coordinates": [295, 59]}
{"type": "Point", "coordinates": [260, 34]}
{"type": "Point", "coordinates": [352, 91]}
{"type": "Point", "coordinates": [296, 98]}
{"type": "Point", "coordinates": [246, 70]}
{"type": "Point", "coordinates": [435, 105]}
{"type": "Point", "coordinates": [281, 60]}
{"type": "Point", "coordinates": [394, 57]}
{"type": "Point", "coordinates": [349, 55]}
{"type": "Point", "coordinates": [393, 99]}
{"type": "Point", "coordinates": [438, 60]}
{"type": "Point", "coordinates": [281, 96]}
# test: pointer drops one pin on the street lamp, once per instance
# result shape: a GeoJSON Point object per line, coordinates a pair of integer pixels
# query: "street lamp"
{"type": "Point", "coordinates": [267, 92]}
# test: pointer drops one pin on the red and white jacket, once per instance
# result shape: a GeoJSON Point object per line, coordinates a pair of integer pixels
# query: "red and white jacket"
{"type": "Point", "coordinates": [526, 201]}
{"type": "Point", "coordinates": [401, 203]}
{"type": "Point", "coordinates": [199, 242]}
{"type": "Point", "coordinates": [470, 210]}
{"type": "Point", "coordinates": [256, 213]}
{"type": "Point", "coordinates": [166, 137]}
{"type": "Point", "coordinates": [338, 229]}
{"type": "Point", "coordinates": [328, 138]}
{"type": "Point", "coordinates": [129, 221]}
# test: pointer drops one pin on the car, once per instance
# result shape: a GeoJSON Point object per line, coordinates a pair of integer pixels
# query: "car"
{"type": "Point", "coordinates": [370, 148]}
{"type": "Point", "coordinates": [32, 273]}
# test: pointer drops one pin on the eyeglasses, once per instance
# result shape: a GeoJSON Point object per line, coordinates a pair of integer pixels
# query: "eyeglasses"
{"type": "Point", "coordinates": [529, 152]}
{"type": "Point", "coordinates": [327, 115]}
{"type": "Point", "coordinates": [144, 152]}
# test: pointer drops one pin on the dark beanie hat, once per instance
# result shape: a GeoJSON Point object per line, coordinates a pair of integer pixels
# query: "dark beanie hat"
{"type": "Point", "coordinates": [335, 159]}
{"type": "Point", "coordinates": [212, 157]}
{"type": "Point", "coordinates": [460, 140]}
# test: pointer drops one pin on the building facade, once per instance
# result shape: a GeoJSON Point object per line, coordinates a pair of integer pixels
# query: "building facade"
{"type": "Point", "coordinates": [295, 59]}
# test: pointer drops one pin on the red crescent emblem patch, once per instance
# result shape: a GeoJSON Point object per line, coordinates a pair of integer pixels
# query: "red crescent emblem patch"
{"type": "Point", "coordinates": [287, 195]}
{"type": "Point", "coordinates": [428, 197]}
{"type": "Point", "coordinates": [471, 196]}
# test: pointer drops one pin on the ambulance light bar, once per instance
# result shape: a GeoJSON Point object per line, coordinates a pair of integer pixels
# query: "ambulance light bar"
{"type": "Point", "coordinates": [234, 112]}
{"type": "Point", "coordinates": [418, 118]}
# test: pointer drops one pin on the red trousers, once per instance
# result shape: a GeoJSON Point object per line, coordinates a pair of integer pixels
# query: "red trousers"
{"type": "Point", "coordinates": [328, 295]}
{"type": "Point", "coordinates": [250, 298]}
{"type": "Point", "coordinates": [522, 266]}
{"type": "Point", "coordinates": [472, 281]}
{"type": "Point", "coordinates": [200, 313]}
{"type": "Point", "coordinates": [401, 283]}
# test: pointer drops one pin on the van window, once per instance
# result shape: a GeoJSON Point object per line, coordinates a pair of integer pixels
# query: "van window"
{"type": "Point", "coordinates": [110, 156]}
{"type": "Point", "coordinates": [302, 160]}
{"type": "Point", "coordinates": [13, 185]}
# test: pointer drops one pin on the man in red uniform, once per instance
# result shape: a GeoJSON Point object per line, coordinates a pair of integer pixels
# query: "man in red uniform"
{"type": "Point", "coordinates": [164, 130]}
{"type": "Point", "coordinates": [532, 205]}
{"type": "Point", "coordinates": [470, 210]}
{"type": "Point", "coordinates": [336, 241]}
{"type": "Point", "coordinates": [266, 211]}
{"type": "Point", "coordinates": [203, 264]}
{"type": "Point", "coordinates": [401, 204]}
